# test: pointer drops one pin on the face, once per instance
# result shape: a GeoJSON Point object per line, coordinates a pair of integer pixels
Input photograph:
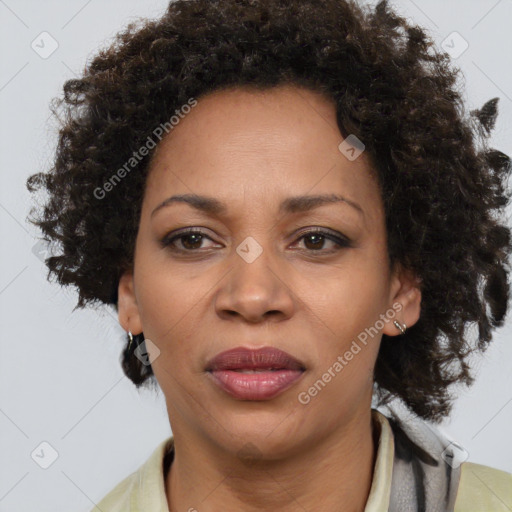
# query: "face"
{"type": "Point", "coordinates": [263, 269]}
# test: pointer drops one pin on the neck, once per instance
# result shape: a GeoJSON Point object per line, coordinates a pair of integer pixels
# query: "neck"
{"type": "Point", "coordinates": [334, 474]}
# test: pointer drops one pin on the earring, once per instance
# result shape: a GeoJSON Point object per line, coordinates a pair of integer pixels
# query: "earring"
{"type": "Point", "coordinates": [130, 335]}
{"type": "Point", "coordinates": [401, 327]}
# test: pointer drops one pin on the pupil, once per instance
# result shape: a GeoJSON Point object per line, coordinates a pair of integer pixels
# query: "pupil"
{"type": "Point", "coordinates": [318, 238]}
{"type": "Point", "coordinates": [188, 237]}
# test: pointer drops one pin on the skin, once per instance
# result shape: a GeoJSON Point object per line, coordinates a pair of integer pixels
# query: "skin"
{"type": "Point", "coordinates": [251, 150]}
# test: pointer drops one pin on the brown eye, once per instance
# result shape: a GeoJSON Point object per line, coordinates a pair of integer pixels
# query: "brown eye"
{"type": "Point", "coordinates": [317, 241]}
{"type": "Point", "coordinates": [190, 241]}
{"type": "Point", "coordinates": [314, 241]}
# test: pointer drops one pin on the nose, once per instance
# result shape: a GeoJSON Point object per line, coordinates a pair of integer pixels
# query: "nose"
{"type": "Point", "coordinates": [255, 291]}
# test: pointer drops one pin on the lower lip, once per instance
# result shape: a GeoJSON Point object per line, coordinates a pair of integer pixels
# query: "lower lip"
{"type": "Point", "coordinates": [255, 386]}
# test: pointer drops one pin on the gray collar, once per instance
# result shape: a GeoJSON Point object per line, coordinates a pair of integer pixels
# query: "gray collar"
{"type": "Point", "coordinates": [426, 471]}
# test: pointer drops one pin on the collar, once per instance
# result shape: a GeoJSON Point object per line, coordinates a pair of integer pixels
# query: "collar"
{"type": "Point", "coordinates": [147, 492]}
{"type": "Point", "coordinates": [380, 490]}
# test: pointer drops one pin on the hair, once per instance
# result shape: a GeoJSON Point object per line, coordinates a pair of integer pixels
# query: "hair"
{"type": "Point", "coordinates": [442, 187]}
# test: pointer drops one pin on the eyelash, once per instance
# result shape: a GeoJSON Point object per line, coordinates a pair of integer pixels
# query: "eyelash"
{"type": "Point", "coordinates": [340, 241]}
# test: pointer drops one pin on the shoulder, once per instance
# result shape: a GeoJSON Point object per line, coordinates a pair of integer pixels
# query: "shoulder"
{"type": "Point", "coordinates": [483, 488]}
{"type": "Point", "coordinates": [119, 497]}
{"type": "Point", "coordinates": [471, 487]}
{"type": "Point", "coordinates": [144, 489]}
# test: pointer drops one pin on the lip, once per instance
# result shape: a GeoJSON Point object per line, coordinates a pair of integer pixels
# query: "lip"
{"type": "Point", "coordinates": [280, 371]}
{"type": "Point", "coordinates": [242, 358]}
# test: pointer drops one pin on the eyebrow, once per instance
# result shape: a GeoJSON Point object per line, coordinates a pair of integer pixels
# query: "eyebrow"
{"type": "Point", "coordinates": [295, 204]}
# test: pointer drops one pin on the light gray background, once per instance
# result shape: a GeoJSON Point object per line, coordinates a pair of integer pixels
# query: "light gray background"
{"type": "Point", "coordinates": [60, 379]}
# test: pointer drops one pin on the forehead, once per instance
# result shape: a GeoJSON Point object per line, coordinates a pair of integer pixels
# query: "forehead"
{"type": "Point", "coordinates": [264, 145]}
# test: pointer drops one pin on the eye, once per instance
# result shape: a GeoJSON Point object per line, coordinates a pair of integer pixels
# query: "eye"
{"type": "Point", "coordinates": [314, 240]}
{"type": "Point", "coordinates": [190, 240]}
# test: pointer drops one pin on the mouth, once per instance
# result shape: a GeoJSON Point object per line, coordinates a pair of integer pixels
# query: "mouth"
{"type": "Point", "coordinates": [260, 374]}
{"type": "Point", "coordinates": [244, 360]}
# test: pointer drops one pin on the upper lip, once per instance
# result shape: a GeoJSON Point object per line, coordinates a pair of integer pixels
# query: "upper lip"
{"type": "Point", "coordinates": [262, 358]}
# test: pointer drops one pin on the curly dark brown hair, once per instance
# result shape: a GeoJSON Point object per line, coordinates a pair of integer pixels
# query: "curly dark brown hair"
{"type": "Point", "coordinates": [443, 188]}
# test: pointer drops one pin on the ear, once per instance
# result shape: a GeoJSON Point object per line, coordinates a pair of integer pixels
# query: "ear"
{"type": "Point", "coordinates": [405, 296]}
{"type": "Point", "coordinates": [128, 310]}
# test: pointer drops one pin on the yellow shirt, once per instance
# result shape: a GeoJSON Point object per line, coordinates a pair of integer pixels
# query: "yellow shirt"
{"type": "Point", "coordinates": [481, 488]}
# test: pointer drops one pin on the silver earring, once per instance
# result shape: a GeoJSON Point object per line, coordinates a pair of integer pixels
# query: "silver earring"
{"type": "Point", "coordinates": [401, 327]}
{"type": "Point", "coordinates": [130, 335]}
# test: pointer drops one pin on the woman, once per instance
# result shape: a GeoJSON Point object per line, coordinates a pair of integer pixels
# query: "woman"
{"type": "Point", "coordinates": [292, 216]}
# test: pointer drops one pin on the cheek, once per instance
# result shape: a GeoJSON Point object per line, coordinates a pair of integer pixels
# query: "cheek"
{"type": "Point", "coordinates": [352, 299]}
{"type": "Point", "coordinates": [167, 306]}
{"type": "Point", "coordinates": [165, 294]}
{"type": "Point", "coordinates": [349, 308]}
{"type": "Point", "coordinates": [346, 352]}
